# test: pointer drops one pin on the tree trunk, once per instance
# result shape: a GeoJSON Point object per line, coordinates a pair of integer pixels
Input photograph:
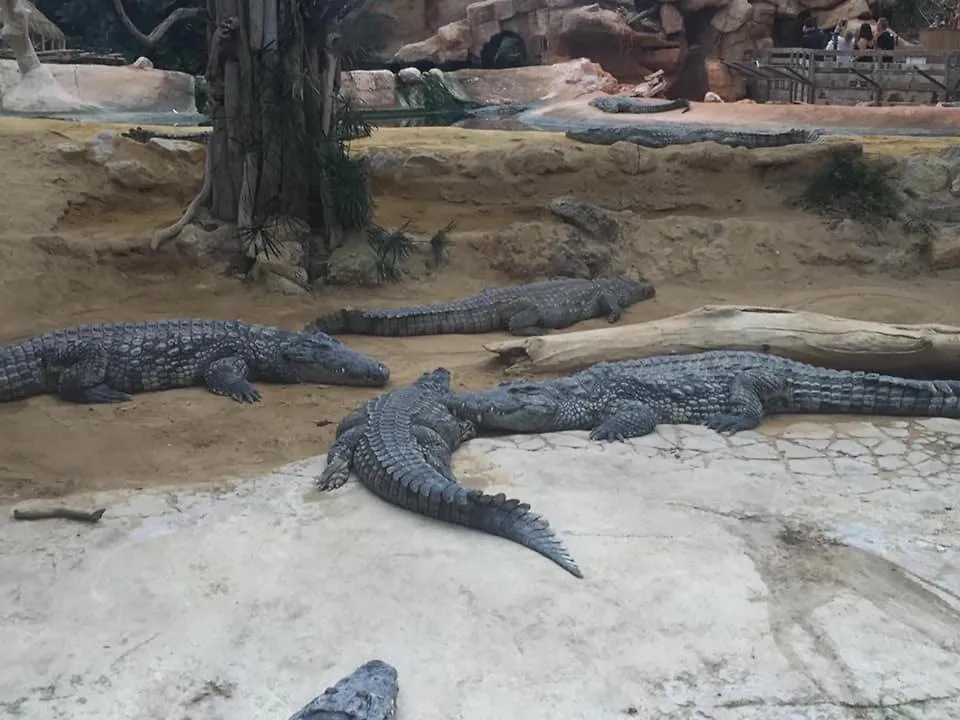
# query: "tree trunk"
{"type": "Point", "coordinates": [825, 340]}
{"type": "Point", "coordinates": [38, 90]}
{"type": "Point", "coordinates": [277, 151]}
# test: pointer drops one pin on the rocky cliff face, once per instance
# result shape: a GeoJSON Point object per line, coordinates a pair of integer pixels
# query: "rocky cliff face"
{"type": "Point", "coordinates": [629, 38]}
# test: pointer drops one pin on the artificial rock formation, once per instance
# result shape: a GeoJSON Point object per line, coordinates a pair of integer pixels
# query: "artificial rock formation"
{"type": "Point", "coordinates": [630, 41]}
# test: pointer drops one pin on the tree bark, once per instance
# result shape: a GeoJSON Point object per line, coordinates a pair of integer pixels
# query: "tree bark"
{"type": "Point", "coordinates": [150, 41]}
{"type": "Point", "coordinates": [16, 33]}
{"type": "Point", "coordinates": [826, 340]}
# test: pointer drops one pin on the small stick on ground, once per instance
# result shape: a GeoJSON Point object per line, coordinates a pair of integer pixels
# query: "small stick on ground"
{"type": "Point", "coordinates": [61, 513]}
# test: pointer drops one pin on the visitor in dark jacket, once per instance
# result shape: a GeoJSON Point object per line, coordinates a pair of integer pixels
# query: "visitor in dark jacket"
{"type": "Point", "coordinates": [813, 37]}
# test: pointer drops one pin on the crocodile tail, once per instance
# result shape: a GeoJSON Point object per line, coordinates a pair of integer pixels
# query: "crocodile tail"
{"type": "Point", "coordinates": [512, 519]}
{"type": "Point", "coordinates": [340, 321]}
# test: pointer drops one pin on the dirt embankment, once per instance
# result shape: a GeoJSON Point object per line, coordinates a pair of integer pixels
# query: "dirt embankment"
{"type": "Point", "coordinates": [706, 224]}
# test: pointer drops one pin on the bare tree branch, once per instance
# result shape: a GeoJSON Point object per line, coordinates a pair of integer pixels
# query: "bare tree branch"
{"type": "Point", "coordinates": [151, 40]}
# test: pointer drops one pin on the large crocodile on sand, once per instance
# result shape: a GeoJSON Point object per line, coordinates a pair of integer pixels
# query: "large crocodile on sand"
{"type": "Point", "coordinates": [368, 693]}
{"type": "Point", "coordinates": [105, 363]}
{"type": "Point", "coordinates": [399, 444]}
{"type": "Point", "coordinates": [531, 309]}
{"type": "Point", "coordinates": [678, 134]}
{"type": "Point", "coordinates": [728, 391]}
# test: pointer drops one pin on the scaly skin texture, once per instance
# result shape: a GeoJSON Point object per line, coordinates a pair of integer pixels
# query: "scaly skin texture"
{"type": "Point", "coordinates": [106, 363]}
{"type": "Point", "coordinates": [399, 445]}
{"type": "Point", "coordinates": [532, 309]}
{"type": "Point", "coordinates": [638, 106]}
{"type": "Point", "coordinates": [368, 693]}
{"type": "Point", "coordinates": [727, 391]}
{"type": "Point", "coordinates": [678, 135]}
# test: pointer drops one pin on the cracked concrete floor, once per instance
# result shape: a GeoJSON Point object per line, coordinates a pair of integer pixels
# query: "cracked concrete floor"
{"type": "Point", "coordinates": [808, 570]}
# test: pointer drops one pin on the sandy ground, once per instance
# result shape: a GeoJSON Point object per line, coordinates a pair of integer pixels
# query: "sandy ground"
{"type": "Point", "coordinates": [72, 252]}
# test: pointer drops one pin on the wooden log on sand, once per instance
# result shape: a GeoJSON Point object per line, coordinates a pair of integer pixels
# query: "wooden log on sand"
{"type": "Point", "coordinates": [825, 340]}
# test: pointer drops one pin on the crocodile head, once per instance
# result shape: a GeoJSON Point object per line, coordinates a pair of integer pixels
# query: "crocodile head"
{"type": "Point", "coordinates": [519, 407]}
{"type": "Point", "coordinates": [307, 357]}
{"type": "Point", "coordinates": [627, 291]}
{"type": "Point", "coordinates": [370, 692]}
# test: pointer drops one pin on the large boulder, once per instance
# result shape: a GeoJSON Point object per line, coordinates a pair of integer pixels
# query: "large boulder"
{"type": "Point", "coordinates": [111, 87]}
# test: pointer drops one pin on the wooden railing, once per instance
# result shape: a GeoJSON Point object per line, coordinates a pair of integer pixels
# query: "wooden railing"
{"type": "Point", "coordinates": [846, 77]}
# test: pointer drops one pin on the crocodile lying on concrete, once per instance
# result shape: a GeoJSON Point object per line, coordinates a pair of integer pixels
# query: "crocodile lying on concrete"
{"type": "Point", "coordinates": [105, 363]}
{"type": "Point", "coordinates": [399, 444]}
{"type": "Point", "coordinates": [638, 106]}
{"type": "Point", "coordinates": [368, 693]}
{"type": "Point", "coordinates": [531, 309]}
{"type": "Point", "coordinates": [728, 391]}
{"type": "Point", "coordinates": [660, 137]}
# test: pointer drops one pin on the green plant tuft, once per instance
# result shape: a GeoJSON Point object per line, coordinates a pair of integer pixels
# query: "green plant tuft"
{"type": "Point", "coordinates": [390, 249]}
{"type": "Point", "coordinates": [852, 188]}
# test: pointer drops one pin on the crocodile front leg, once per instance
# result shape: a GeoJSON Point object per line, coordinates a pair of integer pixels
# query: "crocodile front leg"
{"type": "Point", "coordinates": [610, 306]}
{"type": "Point", "coordinates": [81, 374]}
{"type": "Point", "coordinates": [625, 419]}
{"type": "Point", "coordinates": [748, 392]}
{"type": "Point", "coordinates": [524, 320]}
{"type": "Point", "coordinates": [228, 377]}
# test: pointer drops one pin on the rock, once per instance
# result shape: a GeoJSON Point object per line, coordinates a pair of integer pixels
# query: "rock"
{"type": "Point", "coordinates": [113, 87]}
{"type": "Point", "coordinates": [605, 37]}
{"type": "Point", "coordinates": [720, 82]}
{"type": "Point", "coordinates": [561, 81]}
{"type": "Point", "coordinates": [102, 146]}
{"type": "Point", "coordinates": [383, 163]}
{"type": "Point", "coordinates": [352, 265]}
{"type": "Point", "coordinates": [71, 152]}
{"type": "Point", "coordinates": [847, 10]}
{"type": "Point", "coordinates": [130, 174]}
{"type": "Point", "coordinates": [955, 187]}
{"type": "Point", "coordinates": [372, 88]}
{"type": "Point", "coordinates": [179, 149]}
{"type": "Point", "coordinates": [692, 6]}
{"type": "Point", "coordinates": [925, 174]}
{"type": "Point", "coordinates": [945, 251]}
{"type": "Point", "coordinates": [595, 221]}
{"type": "Point", "coordinates": [671, 19]}
{"type": "Point", "coordinates": [452, 42]}
{"type": "Point", "coordinates": [142, 63]}
{"type": "Point", "coordinates": [732, 17]}
{"type": "Point", "coordinates": [668, 59]}
{"type": "Point", "coordinates": [280, 277]}
{"type": "Point", "coordinates": [410, 76]}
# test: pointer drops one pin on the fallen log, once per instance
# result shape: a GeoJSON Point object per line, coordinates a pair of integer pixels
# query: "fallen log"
{"type": "Point", "coordinates": [825, 340]}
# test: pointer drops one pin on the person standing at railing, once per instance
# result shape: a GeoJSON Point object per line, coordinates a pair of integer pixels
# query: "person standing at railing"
{"type": "Point", "coordinates": [842, 44]}
{"type": "Point", "coordinates": [813, 37]}
{"type": "Point", "coordinates": [865, 41]}
{"type": "Point", "coordinates": [886, 39]}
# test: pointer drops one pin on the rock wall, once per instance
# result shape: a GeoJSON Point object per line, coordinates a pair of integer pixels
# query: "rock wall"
{"type": "Point", "coordinates": [628, 38]}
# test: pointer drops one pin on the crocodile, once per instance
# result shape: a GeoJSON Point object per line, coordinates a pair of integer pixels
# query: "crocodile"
{"type": "Point", "coordinates": [399, 445]}
{"type": "Point", "coordinates": [368, 693]}
{"type": "Point", "coordinates": [638, 106]}
{"type": "Point", "coordinates": [142, 135]}
{"type": "Point", "coordinates": [531, 309]}
{"type": "Point", "coordinates": [664, 136]}
{"type": "Point", "coordinates": [727, 391]}
{"type": "Point", "coordinates": [107, 363]}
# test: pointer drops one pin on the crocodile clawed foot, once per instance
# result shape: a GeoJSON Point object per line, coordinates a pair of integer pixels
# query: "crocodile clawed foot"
{"type": "Point", "coordinates": [730, 424]}
{"type": "Point", "coordinates": [244, 393]}
{"type": "Point", "coordinates": [606, 435]}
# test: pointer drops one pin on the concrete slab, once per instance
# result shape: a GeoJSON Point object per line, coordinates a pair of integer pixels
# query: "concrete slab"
{"type": "Point", "coordinates": [810, 570]}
